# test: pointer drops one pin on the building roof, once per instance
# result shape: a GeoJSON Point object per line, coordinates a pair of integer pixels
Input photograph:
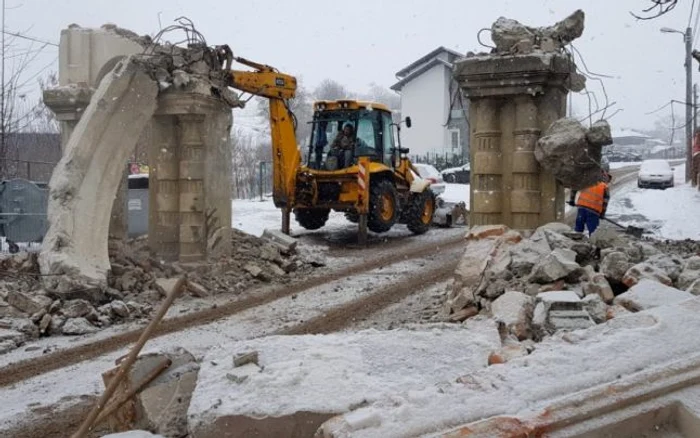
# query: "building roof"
{"type": "Point", "coordinates": [628, 133]}
{"type": "Point", "coordinates": [406, 70]}
{"type": "Point", "coordinates": [435, 61]}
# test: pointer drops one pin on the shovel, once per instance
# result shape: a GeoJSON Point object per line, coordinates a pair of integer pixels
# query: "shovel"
{"type": "Point", "coordinates": [631, 230]}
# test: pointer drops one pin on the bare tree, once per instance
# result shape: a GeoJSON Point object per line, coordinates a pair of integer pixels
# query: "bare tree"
{"type": "Point", "coordinates": [329, 89]}
{"type": "Point", "coordinates": [19, 110]}
{"type": "Point", "coordinates": [300, 106]}
{"type": "Point", "coordinates": [657, 9]}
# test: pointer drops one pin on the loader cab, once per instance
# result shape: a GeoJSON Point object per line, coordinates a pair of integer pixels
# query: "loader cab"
{"type": "Point", "coordinates": [345, 130]}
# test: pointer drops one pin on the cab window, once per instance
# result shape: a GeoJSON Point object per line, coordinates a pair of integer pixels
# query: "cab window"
{"type": "Point", "coordinates": [387, 139]}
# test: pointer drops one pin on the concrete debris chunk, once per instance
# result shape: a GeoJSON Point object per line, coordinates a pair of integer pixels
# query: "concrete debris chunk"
{"type": "Point", "coordinates": [245, 358]}
{"type": "Point", "coordinates": [599, 134]}
{"type": "Point", "coordinates": [514, 309]}
{"type": "Point", "coordinates": [645, 271]}
{"type": "Point", "coordinates": [165, 285]}
{"type": "Point", "coordinates": [486, 231]}
{"type": "Point", "coordinates": [510, 36]}
{"type": "Point", "coordinates": [648, 294]}
{"type": "Point", "coordinates": [615, 265]}
{"type": "Point", "coordinates": [598, 285]}
{"type": "Point", "coordinates": [596, 308]}
{"type": "Point", "coordinates": [78, 326]}
{"type": "Point", "coordinates": [253, 270]}
{"type": "Point", "coordinates": [76, 309]}
{"type": "Point", "coordinates": [671, 264]}
{"type": "Point", "coordinates": [694, 287]}
{"type": "Point", "coordinates": [28, 302]}
{"type": "Point", "coordinates": [690, 272]}
{"type": "Point", "coordinates": [197, 290]}
{"type": "Point", "coordinates": [285, 242]}
{"type": "Point", "coordinates": [558, 264]}
{"type": "Point", "coordinates": [162, 405]}
{"type": "Point", "coordinates": [565, 152]}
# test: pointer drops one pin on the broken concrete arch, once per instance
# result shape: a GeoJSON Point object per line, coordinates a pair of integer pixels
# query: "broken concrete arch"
{"type": "Point", "coordinates": [86, 179]}
{"type": "Point", "coordinates": [190, 212]}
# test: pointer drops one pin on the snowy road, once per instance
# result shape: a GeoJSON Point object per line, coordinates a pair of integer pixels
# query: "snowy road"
{"type": "Point", "coordinates": [673, 213]}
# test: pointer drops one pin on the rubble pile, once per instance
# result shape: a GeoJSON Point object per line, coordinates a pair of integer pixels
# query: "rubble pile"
{"type": "Point", "coordinates": [559, 280]}
{"type": "Point", "coordinates": [137, 282]}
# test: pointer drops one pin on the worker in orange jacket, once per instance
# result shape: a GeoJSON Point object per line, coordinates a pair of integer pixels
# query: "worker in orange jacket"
{"type": "Point", "coordinates": [592, 202]}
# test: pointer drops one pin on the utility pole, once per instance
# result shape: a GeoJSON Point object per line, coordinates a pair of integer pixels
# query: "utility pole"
{"type": "Point", "coordinates": [4, 164]}
{"type": "Point", "coordinates": [689, 109]}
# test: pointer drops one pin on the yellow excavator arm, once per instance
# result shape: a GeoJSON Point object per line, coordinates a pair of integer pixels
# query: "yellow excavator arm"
{"type": "Point", "coordinates": [266, 81]}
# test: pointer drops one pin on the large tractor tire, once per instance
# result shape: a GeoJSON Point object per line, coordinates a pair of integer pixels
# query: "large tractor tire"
{"type": "Point", "coordinates": [311, 218]}
{"type": "Point", "coordinates": [382, 206]}
{"type": "Point", "coordinates": [353, 217]}
{"type": "Point", "coordinates": [419, 211]}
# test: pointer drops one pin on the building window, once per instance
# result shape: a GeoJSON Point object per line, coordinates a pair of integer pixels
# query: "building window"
{"type": "Point", "coordinates": [454, 138]}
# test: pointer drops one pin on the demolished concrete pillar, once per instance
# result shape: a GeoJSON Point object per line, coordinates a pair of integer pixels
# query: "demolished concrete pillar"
{"type": "Point", "coordinates": [190, 183]}
{"type": "Point", "coordinates": [86, 180]}
{"type": "Point", "coordinates": [515, 94]}
{"type": "Point", "coordinates": [85, 57]}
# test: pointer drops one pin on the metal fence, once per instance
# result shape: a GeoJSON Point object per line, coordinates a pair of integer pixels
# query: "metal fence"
{"type": "Point", "coordinates": [23, 222]}
{"type": "Point", "coordinates": [440, 160]}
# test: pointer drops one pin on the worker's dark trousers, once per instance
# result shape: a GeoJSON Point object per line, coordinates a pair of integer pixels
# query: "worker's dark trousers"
{"type": "Point", "coordinates": [588, 218]}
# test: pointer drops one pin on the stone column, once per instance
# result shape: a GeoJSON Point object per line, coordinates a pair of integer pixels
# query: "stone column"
{"type": "Point", "coordinates": [190, 178]}
{"type": "Point", "coordinates": [513, 99]}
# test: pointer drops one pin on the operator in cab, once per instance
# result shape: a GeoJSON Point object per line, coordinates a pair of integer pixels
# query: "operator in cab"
{"type": "Point", "coordinates": [345, 140]}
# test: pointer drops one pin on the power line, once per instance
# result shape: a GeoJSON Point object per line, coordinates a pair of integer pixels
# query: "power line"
{"type": "Point", "coordinates": [37, 40]}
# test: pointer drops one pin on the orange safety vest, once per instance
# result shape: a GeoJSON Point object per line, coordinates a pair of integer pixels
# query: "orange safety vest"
{"type": "Point", "coordinates": [592, 197]}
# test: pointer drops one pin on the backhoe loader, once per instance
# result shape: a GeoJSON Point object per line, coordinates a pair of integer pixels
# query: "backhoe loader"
{"type": "Point", "coordinates": [372, 180]}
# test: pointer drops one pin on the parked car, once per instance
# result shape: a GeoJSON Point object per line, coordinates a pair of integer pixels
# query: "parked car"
{"type": "Point", "coordinates": [622, 157]}
{"type": "Point", "coordinates": [428, 172]}
{"type": "Point", "coordinates": [655, 173]}
{"type": "Point", "coordinates": [458, 175]}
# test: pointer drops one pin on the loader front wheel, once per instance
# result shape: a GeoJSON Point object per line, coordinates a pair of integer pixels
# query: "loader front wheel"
{"type": "Point", "coordinates": [311, 218]}
{"type": "Point", "coordinates": [382, 206]}
{"type": "Point", "coordinates": [420, 210]}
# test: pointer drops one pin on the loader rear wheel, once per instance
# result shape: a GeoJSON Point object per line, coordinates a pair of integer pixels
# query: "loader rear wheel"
{"type": "Point", "coordinates": [419, 211]}
{"type": "Point", "coordinates": [353, 217]}
{"type": "Point", "coordinates": [311, 218]}
{"type": "Point", "coordinates": [382, 206]}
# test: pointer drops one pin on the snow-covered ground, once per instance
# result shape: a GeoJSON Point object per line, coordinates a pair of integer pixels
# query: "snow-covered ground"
{"type": "Point", "coordinates": [621, 164]}
{"type": "Point", "coordinates": [253, 215]}
{"type": "Point", "coordinates": [670, 214]}
{"type": "Point", "coordinates": [456, 193]}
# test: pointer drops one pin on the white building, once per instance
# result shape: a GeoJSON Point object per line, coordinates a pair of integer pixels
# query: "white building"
{"type": "Point", "coordinates": [432, 99]}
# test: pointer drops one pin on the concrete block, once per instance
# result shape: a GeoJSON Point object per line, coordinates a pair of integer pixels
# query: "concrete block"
{"type": "Point", "coordinates": [78, 326]}
{"type": "Point", "coordinates": [615, 265]}
{"type": "Point", "coordinates": [596, 308]}
{"type": "Point", "coordinates": [85, 181]}
{"type": "Point", "coordinates": [28, 302]}
{"type": "Point", "coordinates": [558, 264]}
{"type": "Point", "coordinates": [645, 271]}
{"type": "Point", "coordinates": [305, 380]}
{"type": "Point", "coordinates": [162, 406]}
{"type": "Point", "coordinates": [285, 242]}
{"type": "Point", "coordinates": [486, 231]}
{"type": "Point", "coordinates": [514, 309]}
{"type": "Point", "coordinates": [648, 294]}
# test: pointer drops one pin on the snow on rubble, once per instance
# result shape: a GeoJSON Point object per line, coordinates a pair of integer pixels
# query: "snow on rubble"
{"type": "Point", "coordinates": [330, 374]}
{"type": "Point", "coordinates": [605, 354]}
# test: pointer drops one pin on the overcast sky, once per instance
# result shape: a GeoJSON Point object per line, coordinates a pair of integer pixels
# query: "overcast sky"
{"type": "Point", "coordinates": [363, 41]}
